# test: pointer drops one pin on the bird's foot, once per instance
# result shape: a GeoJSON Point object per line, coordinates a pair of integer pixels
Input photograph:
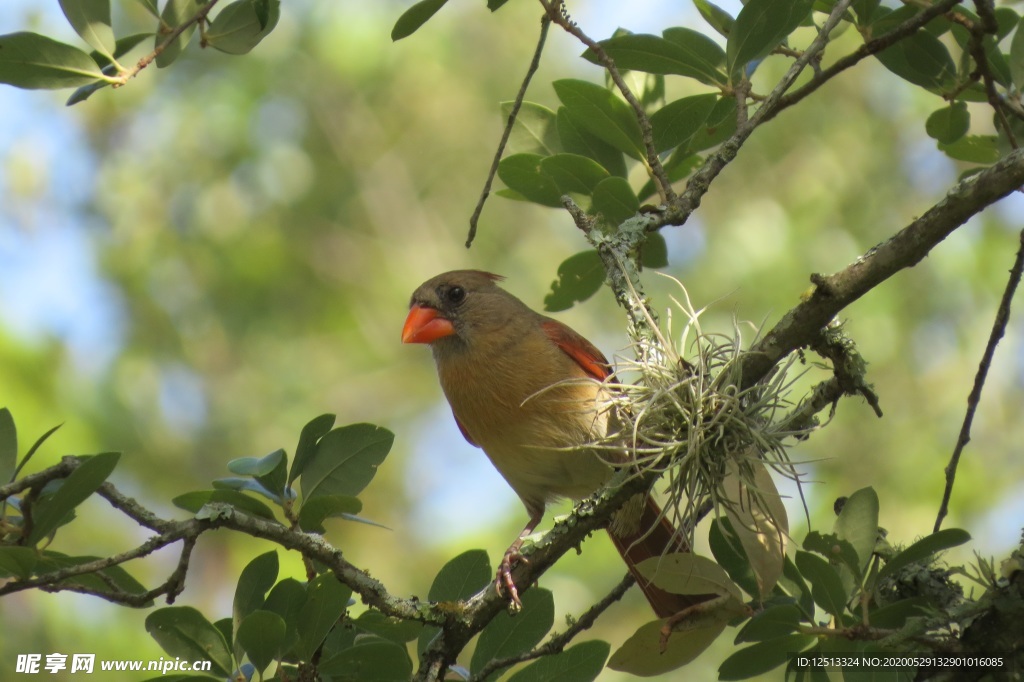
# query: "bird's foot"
{"type": "Point", "coordinates": [503, 583]}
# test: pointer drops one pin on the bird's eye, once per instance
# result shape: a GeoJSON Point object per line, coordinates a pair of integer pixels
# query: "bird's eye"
{"type": "Point", "coordinates": [456, 295]}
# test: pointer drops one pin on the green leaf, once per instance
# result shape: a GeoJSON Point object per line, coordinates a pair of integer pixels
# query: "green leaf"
{"type": "Point", "coordinates": [326, 601]}
{"type": "Point", "coordinates": [678, 166]}
{"type": "Point", "coordinates": [826, 585]}
{"type": "Point", "coordinates": [17, 562]}
{"type": "Point", "coordinates": [369, 660]}
{"type": "Point", "coordinates": [176, 13]}
{"type": "Point", "coordinates": [50, 510]}
{"type": "Point", "coordinates": [760, 27]}
{"type": "Point", "coordinates": [948, 124]}
{"type": "Point", "coordinates": [682, 52]}
{"type": "Point", "coordinates": [460, 578]}
{"type": "Point", "coordinates": [973, 149]}
{"type": "Point", "coordinates": [602, 113]}
{"type": "Point", "coordinates": [795, 586]}
{"type": "Point", "coordinates": [261, 635]}
{"type": "Point", "coordinates": [308, 438]}
{"type": "Point", "coordinates": [730, 555]}
{"type": "Point", "coordinates": [263, 11]}
{"type": "Point", "coordinates": [1017, 57]}
{"type": "Point", "coordinates": [195, 501]}
{"type": "Point", "coordinates": [864, 10]}
{"type": "Point", "coordinates": [924, 548]}
{"type": "Point", "coordinates": [719, 126]}
{"type": "Point", "coordinates": [759, 658]}
{"type": "Point", "coordinates": [577, 140]}
{"type": "Point", "coordinates": [395, 629]}
{"type": "Point", "coordinates": [184, 632]}
{"type": "Point", "coordinates": [313, 512]}
{"type": "Point", "coordinates": [495, 5]}
{"type": "Point", "coordinates": [642, 653]}
{"type": "Point", "coordinates": [573, 173]}
{"type": "Point", "coordinates": [522, 173]}
{"type": "Point", "coordinates": [835, 550]}
{"type": "Point", "coordinates": [91, 20]}
{"type": "Point", "coordinates": [252, 466]}
{"type": "Point", "coordinates": [654, 252]}
{"type": "Point", "coordinates": [534, 131]}
{"type": "Point", "coordinates": [8, 445]}
{"type": "Point", "coordinates": [346, 460]}
{"type": "Point", "coordinates": [286, 599]}
{"type": "Point", "coordinates": [688, 573]}
{"type": "Point", "coordinates": [579, 277]}
{"type": "Point", "coordinates": [677, 122]}
{"type": "Point", "coordinates": [238, 28]}
{"type": "Point", "coordinates": [508, 635]}
{"type": "Point", "coordinates": [857, 523]}
{"type": "Point", "coordinates": [894, 616]}
{"type": "Point", "coordinates": [923, 60]}
{"type": "Point", "coordinates": [616, 201]}
{"type": "Point", "coordinates": [248, 484]}
{"type": "Point", "coordinates": [33, 62]}
{"type": "Point", "coordinates": [414, 17]}
{"type": "Point", "coordinates": [773, 622]}
{"type": "Point", "coordinates": [100, 581]}
{"type": "Point", "coordinates": [256, 578]}
{"type": "Point", "coordinates": [718, 18]}
{"type": "Point", "coordinates": [582, 662]}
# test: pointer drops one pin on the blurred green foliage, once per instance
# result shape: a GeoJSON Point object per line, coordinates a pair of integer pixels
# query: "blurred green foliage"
{"type": "Point", "coordinates": [261, 221]}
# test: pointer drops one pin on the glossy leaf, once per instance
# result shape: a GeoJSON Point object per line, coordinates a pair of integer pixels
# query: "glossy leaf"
{"type": "Point", "coordinates": [730, 555]}
{"type": "Point", "coordinates": [238, 28]}
{"type": "Point", "coordinates": [718, 18]}
{"type": "Point", "coordinates": [253, 466]}
{"type": "Point", "coordinates": [460, 578]}
{"type": "Point", "coordinates": [581, 662]}
{"type": "Point", "coordinates": [534, 131]}
{"type": "Point", "coordinates": [346, 460]}
{"type": "Point", "coordinates": [256, 579]}
{"type": "Point", "coordinates": [858, 524]}
{"type": "Point", "coordinates": [602, 113]}
{"type": "Point", "coordinates": [655, 252]}
{"type": "Point", "coordinates": [195, 501]}
{"type": "Point", "coordinates": [315, 511]}
{"type": "Point", "coordinates": [922, 60]}
{"type": "Point", "coordinates": [91, 20]}
{"type": "Point", "coordinates": [309, 436]}
{"type": "Point", "coordinates": [372, 659]}
{"type": "Point", "coordinates": [184, 632]}
{"type": "Point", "coordinates": [973, 149]}
{"type": "Point", "coordinates": [8, 446]}
{"type": "Point", "coordinates": [579, 277]}
{"type": "Point", "coordinates": [687, 53]}
{"type": "Point", "coordinates": [688, 573]}
{"type": "Point", "coordinates": [100, 581]}
{"type": "Point", "coordinates": [762, 657]}
{"type": "Point", "coordinates": [677, 122]}
{"type": "Point", "coordinates": [49, 512]}
{"type": "Point", "coordinates": [286, 599]}
{"type": "Point", "coordinates": [720, 124]}
{"type": "Point", "coordinates": [573, 173]}
{"type": "Point", "coordinates": [395, 629]}
{"type": "Point", "coordinates": [17, 562]}
{"type": "Point", "coordinates": [796, 587]}
{"type": "Point", "coordinates": [773, 622]}
{"type": "Point", "coordinates": [948, 124]}
{"type": "Point", "coordinates": [642, 653]}
{"type": "Point", "coordinates": [924, 548]}
{"type": "Point", "coordinates": [261, 635]}
{"type": "Point", "coordinates": [248, 484]}
{"type": "Point", "coordinates": [414, 17]}
{"type": "Point", "coordinates": [508, 635]}
{"type": "Point", "coordinates": [176, 13]}
{"type": "Point", "coordinates": [577, 140]}
{"type": "Point", "coordinates": [326, 601]}
{"type": "Point", "coordinates": [522, 173]}
{"type": "Point", "coordinates": [760, 27]}
{"type": "Point", "coordinates": [826, 585]}
{"type": "Point", "coordinates": [616, 202]}
{"type": "Point", "coordinates": [894, 616]}
{"type": "Point", "coordinates": [837, 551]}
{"type": "Point", "coordinates": [32, 61]}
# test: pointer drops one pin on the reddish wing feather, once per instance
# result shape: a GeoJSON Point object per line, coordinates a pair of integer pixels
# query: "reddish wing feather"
{"type": "Point", "coordinates": [586, 355]}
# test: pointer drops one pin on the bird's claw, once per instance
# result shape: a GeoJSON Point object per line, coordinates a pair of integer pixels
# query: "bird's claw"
{"type": "Point", "coordinates": [504, 583]}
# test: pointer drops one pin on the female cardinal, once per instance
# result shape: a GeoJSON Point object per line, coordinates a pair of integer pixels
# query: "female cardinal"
{"type": "Point", "coordinates": [522, 387]}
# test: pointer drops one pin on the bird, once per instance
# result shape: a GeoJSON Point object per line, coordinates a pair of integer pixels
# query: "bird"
{"type": "Point", "coordinates": [532, 393]}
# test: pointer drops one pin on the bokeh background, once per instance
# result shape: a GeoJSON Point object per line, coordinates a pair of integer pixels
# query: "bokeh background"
{"type": "Point", "coordinates": [195, 265]}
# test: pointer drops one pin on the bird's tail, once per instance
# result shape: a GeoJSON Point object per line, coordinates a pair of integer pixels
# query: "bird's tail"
{"type": "Point", "coordinates": [653, 536]}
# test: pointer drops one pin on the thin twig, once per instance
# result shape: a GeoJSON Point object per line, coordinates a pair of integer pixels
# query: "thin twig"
{"type": "Point", "coordinates": [998, 329]}
{"type": "Point", "coordinates": [199, 16]}
{"type": "Point", "coordinates": [976, 47]}
{"type": "Point", "coordinates": [556, 12]}
{"type": "Point", "coordinates": [545, 22]}
{"type": "Point", "coordinates": [558, 642]}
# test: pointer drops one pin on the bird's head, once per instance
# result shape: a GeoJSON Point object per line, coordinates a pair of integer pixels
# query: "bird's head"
{"type": "Point", "coordinates": [460, 305]}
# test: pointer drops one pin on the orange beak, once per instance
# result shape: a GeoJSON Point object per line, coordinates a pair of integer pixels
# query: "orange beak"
{"type": "Point", "coordinates": [425, 325]}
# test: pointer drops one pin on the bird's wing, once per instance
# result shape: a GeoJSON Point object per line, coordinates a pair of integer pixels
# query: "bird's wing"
{"type": "Point", "coordinates": [584, 353]}
{"type": "Point", "coordinates": [465, 434]}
